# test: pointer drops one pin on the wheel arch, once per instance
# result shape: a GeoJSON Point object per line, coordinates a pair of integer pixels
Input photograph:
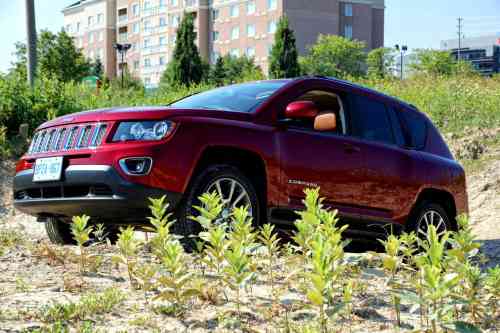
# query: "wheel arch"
{"type": "Point", "coordinates": [250, 163]}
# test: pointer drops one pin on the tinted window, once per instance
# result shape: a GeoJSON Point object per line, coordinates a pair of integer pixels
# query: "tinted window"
{"type": "Point", "coordinates": [415, 128]}
{"type": "Point", "coordinates": [244, 97]}
{"type": "Point", "coordinates": [372, 121]}
{"type": "Point", "coordinates": [396, 126]}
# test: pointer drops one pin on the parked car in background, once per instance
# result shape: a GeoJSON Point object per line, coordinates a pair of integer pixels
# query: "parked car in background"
{"type": "Point", "coordinates": [378, 160]}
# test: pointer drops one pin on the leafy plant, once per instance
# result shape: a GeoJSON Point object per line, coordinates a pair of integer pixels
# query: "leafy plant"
{"type": "Point", "coordinates": [81, 233]}
{"type": "Point", "coordinates": [128, 246]}
{"type": "Point", "coordinates": [271, 241]}
{"type": "Point", "coordinates": [175, 285]}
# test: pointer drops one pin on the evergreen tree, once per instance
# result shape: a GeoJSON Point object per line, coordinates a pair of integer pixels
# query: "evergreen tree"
{"type": "Point", "coordinates": [186, 67]}
{"type": "Point", "coordinates": [218, 72]}
{"type": "Point", "coordinates": [283, 61]}
{"type": "Point", "coordinates": [97, 68]}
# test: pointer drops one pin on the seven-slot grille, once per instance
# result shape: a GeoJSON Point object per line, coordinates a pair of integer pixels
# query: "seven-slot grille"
{"type": "Point", "coordinates": [67, 138]}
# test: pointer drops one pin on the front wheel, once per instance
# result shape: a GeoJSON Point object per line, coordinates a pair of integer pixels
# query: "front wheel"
{"type": "Point", "coordinates": [59, 232]}
{"type": "Point", "coordinates": [234, 189]}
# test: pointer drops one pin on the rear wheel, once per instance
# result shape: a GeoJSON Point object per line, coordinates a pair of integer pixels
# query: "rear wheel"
{"type": "Point", "coordinates": [428, 213]}
{"type": "Point", "coordinates": [59, 232]}
{"type": "Point", "coordinates": [235, 190]}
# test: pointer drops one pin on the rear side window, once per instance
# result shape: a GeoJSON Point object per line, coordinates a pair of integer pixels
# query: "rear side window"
{"type": "Point", "coordinates": [371, 120]}
{"type": "Point", "coordinates": [414, 127]}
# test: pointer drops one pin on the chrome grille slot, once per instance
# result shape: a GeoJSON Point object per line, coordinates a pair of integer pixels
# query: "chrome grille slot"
{"type": "Point", "coordinates": [33, 142]}
{"type": "Point", "coordinates": [60, 139]}
{"type": "Point", "coordinates": [83, 140]}
{"type": "Point", "coordinates": [48, 143]}
{"type": "Point", "coordinates": [99, 131]}
{"type": "Point", "coordinates": [71, 138]}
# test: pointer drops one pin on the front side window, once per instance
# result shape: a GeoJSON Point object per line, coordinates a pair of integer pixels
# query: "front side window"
{"type": "Point", "coordinates": [371, 120]}
{"type": "Point", "coordinates": [245, 97]}
{"type": "Point", "coordinates": [326, 102]}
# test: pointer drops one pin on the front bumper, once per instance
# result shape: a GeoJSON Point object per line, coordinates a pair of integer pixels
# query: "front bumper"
{"type": "Point", "coordinates": [95, 190]}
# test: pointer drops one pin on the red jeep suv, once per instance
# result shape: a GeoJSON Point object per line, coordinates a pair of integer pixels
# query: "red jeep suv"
{"type": "Point", "coordinates": [378, 160]}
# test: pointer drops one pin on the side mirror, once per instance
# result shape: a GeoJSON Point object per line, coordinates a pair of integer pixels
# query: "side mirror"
{"type": "Point", "coordinates": [301, 110]}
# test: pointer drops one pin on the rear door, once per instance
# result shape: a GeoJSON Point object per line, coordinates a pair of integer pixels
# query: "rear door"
{"type": "Point", "coordinates": [388, 184]}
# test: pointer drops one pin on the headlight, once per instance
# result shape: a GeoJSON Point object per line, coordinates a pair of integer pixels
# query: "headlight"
{"type": "Point", "coordinates": [143, 130]}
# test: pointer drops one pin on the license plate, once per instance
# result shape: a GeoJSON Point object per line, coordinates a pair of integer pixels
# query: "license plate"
{"type": "Point", "coordinates": [48, 169]}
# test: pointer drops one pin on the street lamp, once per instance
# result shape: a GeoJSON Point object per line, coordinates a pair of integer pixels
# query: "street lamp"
{"type": "Point", "coordinates": [402, 50]}
{"type": "Point", "coordinates": [122, 49]}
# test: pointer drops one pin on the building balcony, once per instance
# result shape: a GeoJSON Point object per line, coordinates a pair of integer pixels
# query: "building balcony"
{"type": "Point", "coordinates": [152, 11]}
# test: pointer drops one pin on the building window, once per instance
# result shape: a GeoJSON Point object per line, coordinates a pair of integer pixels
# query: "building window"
{"type": "Point", "coordinates": [251, 30]}
{"type": "Point", "coordinates": [348, 9]}
{"type": "Point", "coordinates": [348, 31]}
{"type": "Point", "coordinates": [234, 11]}
{"type": "Point", "coordinates": [90, 20]}
{"type": "Point", "coordinates": [271, 27]}
{"type": "Point", "coordinates": [136, 64]}
{"type": "Point", "coordinates": [135, 9]}
{"type": "Point", "coordinates": [174, 21]}
{"type": "Point", "coordinates": [100, 18]}
{"type": "Point", "coordinates": [91, 37]}
{"type": "Point", "coordinates": [68, 28]}
{"type": "Point", "coordinates": [163, 21]}
{"type": "Point", "coordinates": [78, 26]}
{"type": "Point", "coordinates": [163, 3]}
{"type": "Point", "coordinates": [215, 35]}
{"type": "Point", "coordinates": [272, 4]}
{"type": "Point", "coordinates": [147, 5]}
{"type": "Point", "coordinates": [250, 52]}
{"type": "Point", "coordinates": [136, 28]}
{"type": "Point", "coordinates": [235, 53]}
{"type": "Point", "coordinates": [147, 43]}
{"type": "Point", "coordinates": [147, 25]}
{"type": "Point", "coordinates": [163, 40]}
{"type": "Point", "coordinates": [100, 53]}
{"type": "Point", "coordinates": [215, 14]}
{"type": "Point", "coordinates": [173, 2]}
{"type": "Point", "coordinates": [101, 36]}
{"type": "Point", "coordinates": [235, 33]}
{"type": "Point", "coordinates": [250, 7]}
{"type": "Point", "coordinates": [147, 62]}
{"type": "Point", "coordinates": [162, 61]}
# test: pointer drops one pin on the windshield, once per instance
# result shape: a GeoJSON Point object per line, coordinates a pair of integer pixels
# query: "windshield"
{"type": "Point", "coordinates": [245, 97]}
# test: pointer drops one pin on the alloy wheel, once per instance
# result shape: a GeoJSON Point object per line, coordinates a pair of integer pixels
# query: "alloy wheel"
{"type": "Point", "coordinates": [233, 194]}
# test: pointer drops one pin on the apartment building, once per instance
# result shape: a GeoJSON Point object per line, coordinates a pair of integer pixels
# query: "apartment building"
{"type": "Point", "coordinates": [236, 27]}
{"type": "Point", "coordinates": [92, 24]}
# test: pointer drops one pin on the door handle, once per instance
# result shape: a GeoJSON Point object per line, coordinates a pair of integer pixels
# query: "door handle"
{"type": "Point", "coordinates": [349, 148]}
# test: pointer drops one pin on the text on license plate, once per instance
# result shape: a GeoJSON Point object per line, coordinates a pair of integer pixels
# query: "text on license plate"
{"type": "Point", "coordinates": [48, 169]}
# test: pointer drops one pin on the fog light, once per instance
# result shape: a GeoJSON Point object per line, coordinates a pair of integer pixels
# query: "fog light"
{"type": "Point", "coordinates": [136, 166]}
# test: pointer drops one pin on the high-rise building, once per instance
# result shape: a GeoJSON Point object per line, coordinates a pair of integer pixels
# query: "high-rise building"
{"type": "Point", "coordinates": [236, 27]}
{"type": "Point", "coordinates": [92, 24]}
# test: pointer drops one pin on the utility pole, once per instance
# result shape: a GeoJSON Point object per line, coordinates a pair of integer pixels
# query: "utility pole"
{"type": "Point", "coordinates": [31, 45]}
{"type": "Point", "coordinates": [460, 27]}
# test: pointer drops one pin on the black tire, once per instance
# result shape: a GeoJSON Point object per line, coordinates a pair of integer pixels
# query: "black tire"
{"type": "Point", "coordinates": [59, 232]}
{"type": "Point", "coordinates": [417, 221]}
{"type": "Point", "coordinates": [186, 227]}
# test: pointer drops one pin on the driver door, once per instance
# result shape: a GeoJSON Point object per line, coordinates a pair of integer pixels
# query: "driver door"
{"type": "Point", "coordinates": [331, 160]}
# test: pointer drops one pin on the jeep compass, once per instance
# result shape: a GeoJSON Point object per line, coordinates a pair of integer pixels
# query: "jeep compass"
{"type": "Point", "coordinates": [379, 161]}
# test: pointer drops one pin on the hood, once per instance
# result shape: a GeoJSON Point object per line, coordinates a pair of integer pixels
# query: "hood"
{"type": "Point", "coordinates": [141, 113]}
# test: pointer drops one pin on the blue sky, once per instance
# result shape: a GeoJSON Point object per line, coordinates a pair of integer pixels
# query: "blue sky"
{"type": "Point", "coordinates": [417, 23]}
